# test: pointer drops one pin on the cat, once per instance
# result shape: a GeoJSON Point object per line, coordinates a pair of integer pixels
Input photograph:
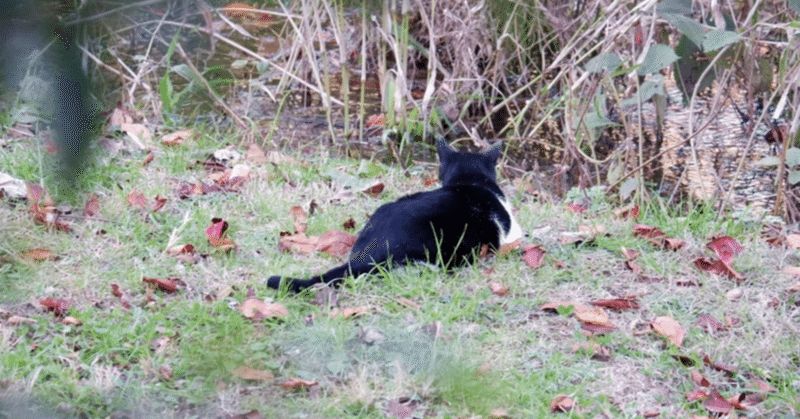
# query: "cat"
{"type": "Point", "coordinates": [447, 226]}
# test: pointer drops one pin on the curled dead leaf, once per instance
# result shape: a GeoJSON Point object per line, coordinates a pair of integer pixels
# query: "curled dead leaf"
{"type": "Point", "coordinates": [617, 303]}
{"type": "Point", "coordinates": [336, 242]}
{"type": "Point", "coordinates": [256, 309]}
{"type": "Point", "coordinates": [725, 247]}
{"type": "Point", "coordinates": [168, 285]}
{"type": "Point", "coordinates": [595, 315]}
{"type": "Point", "coordinates": [498, 288]}
{"type": "Point", "coordinates": [561, 403]}
{"type": "Point", "coordinates": [349, 312]}
{"type": "Point", "coordinates": [38, 254]}
{"type": "Point", "coordinates": [294, 382]}
{"type": "Point", "coordinates": [672, 330]}
{"type": "Point", "coordinates": [251, 374]}
{"type": "Point", "coordinates": [534, 256]}
{"type": "Point", "coordinates": [70, 321]}
{"type": "Point", "coordinates": [56, 306]}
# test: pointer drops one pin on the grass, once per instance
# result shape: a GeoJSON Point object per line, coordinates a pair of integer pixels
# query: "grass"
{"type": "Point", "coordinates": [462, 353]}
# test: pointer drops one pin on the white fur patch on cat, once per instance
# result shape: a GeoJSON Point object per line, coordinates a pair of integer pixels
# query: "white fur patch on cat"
{"type": "Point", "coordinates": [514, 233]}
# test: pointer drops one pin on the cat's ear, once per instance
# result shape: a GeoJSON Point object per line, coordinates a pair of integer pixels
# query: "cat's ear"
{"type": "Point", "coordinates": [443, 149]}
{"type": "Point", "coordinates": [495, 151]}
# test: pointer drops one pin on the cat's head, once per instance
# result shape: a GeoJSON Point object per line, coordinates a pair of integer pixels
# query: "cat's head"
{"type": "Point", "coordinates": [466, 168]}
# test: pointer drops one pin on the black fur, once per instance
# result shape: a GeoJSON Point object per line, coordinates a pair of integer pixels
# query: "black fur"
{"type": "Point", "coordinates": [468, 211]}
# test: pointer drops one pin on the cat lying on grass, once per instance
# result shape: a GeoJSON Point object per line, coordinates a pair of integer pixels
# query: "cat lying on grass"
{"type": "Point", "coordinates": [447, 226]}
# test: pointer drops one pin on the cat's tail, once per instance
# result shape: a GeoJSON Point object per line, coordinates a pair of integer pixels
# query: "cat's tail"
{"type": "Point", "coordinates": [335, 277]}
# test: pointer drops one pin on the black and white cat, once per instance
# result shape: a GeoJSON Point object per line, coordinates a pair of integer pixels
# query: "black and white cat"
{"type": "Point", "coordinates": [446, 226]}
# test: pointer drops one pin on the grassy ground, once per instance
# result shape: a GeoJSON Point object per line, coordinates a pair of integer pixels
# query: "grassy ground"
{"type": "Point", "coordinates": [430, 344]}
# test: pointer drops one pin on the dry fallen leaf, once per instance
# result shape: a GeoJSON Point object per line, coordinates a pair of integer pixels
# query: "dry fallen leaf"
{"type": "Point", "coordinates": [595, 315]}
{"type": "Point", "coordinates": [71, 321]}
{"type": "Point", "coordinates": [176, 138]}
{"type": "Point", "coordinates": [252, 374]}
{"type": "Point", "coordinates": [498, 288]}
{"type": "Point", "coordinates": [534, 256]}
{"type": "Point", "coordinates": [672, 330]}
{"type": "Point", "coordinates": [38, 254]}
{"type": "Point", "coordinates": [793, 241]}
{"type": "Point", "coordinates": [92, 207]}
{"type": "Point", "coordinates": [256, 309]}
{"type": "Point", "coordinates": [349, 312]}
{"type": "Point", "coordinates": [561, 403]}
{"type": "Point", "coordinates": [725, 247]}
{"type": "Point", "coordinates": [168, 285]}
{"type": "Point", "coordinates": [335, 242]}
{"type": "Point", "coordinates": [297, 383]}
{"type": "Point", "coordinates": [300, 217]}
{"type": "Point", "coordinates": [699, 379]}
{"type": "Point", "coordinates": [57, 306]}
{"type": "Point", "coordinates": [617, 303]}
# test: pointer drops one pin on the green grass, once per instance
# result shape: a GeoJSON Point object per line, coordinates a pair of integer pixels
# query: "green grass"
{"type": "Point", "coordinates": [177, 353]}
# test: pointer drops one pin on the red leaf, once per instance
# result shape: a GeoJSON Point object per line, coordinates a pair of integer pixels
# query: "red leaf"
{"type": "Point", "coordinates": [717, 404]}
{"type": "Point", "coordinates": [167, 285]}
{"type": "Point", "coordinates": [217, 229]}
{"type": "Point", "coordinates": [710, 323]}
{"type": "Point", "coordinates": [57, 307]}
{"type": "Point", "coordinates": [617, 303]}
{"type": "Point", "coordinates": [696, 394]}
{"type": "Point", "coordinates": [137, 199]}
{"type": "Point", "coordinates": [648, 232]}
{"type": "Point", "coordinates": [92, 207]}
{"type": "Point", "coordinates": [725, 247]}
{"type": "Point", "coordinates": [575, 208]}
{"type": "Point", "coordinates": [534, 256]}
{"type": "Point", "coordinates": [159, 203]}
{"type": "Point", "coordinates": [718, 267]}
{"type": "Point", "coordinates": [375, 190]}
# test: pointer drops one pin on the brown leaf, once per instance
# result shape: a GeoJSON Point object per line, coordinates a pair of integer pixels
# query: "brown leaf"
{"type": "Point", "coordinates": [617, 303]}
{"type": "Point", "coordinates": [595, 316]}
{"type": "Point", "coordinates": [646, 231]}
{"type": "Point", "coordinates": [717, 404]}
{"type": "Point", "coordinates": [148, 158]}
{"type": "Point", "coordinates": [176, 138]}
{"type": "Point", "coordinates": [576, 208]}
{"type": "Point", "coordinates": [718, 267]}
{"type": "Point", "coordinates": [696, 394]}
{"type": "Point", "coordinates": [253, 414]}
{"type": "Point", "coordinates": [793, 241]}
{"type": "Point", "coordinates": [256, 309]}
{"type": "Point", "coordinates": [561, 403]}
{"type": "Point", "coordinates": [300, 217]}
{"type": "Point", "coordinates": [374, 190]}
{"type": "Point", "coordinates": [297, 242]}
{"type": "Point", "coordinates": [596, 329]}
{"type": "Point", "coordinates": [349, 312]}
{"type": "Point", "coordinates": [508, 247]}
{"type": "Point", "coordinates": [92, 206]}
{"type": "Point", "coordinates": [18, 320]}
{"type": "Point", "coordinates": [56, 306]}
{"type": "Point", "coordinates": [294, 382]}
{"type": "Point", "coordinates": [634, 267]}
{"type": "Point", "coordinates": [251, 374]}
{"type": "Point", "coordinates": [718, 365]}
{"type": "Point", "coordinates": [725, 247]}
{"type": "Point", "coordinates": [629, 254]}
{"type": "Point", "coordinates": [335, 242]}
{"type": "Point", "coordinates": [38, 254]}
{"type": "Point", "coordinates": [672, 330]}
{"type": "Point", "coordinates": [553, 306]}
{"type": "Point", "coordinates": [70, 321]}
{"type": "Point", "coordinates": [709, 323]}
{"type": "Point", "coordinates": [499, 413]}
{"type": "Point", "coordinates": [217, 229]}
{"type": "Point", "coordinates": [498, 288]}
{"type": "Point", "coordinates": [137, 200]}
{"type": "Point", "coordinates": [406, 302]}
{"type": "Point", "coordinates": [168, 285]}
{"type": "Point", "coordinates": [115, 291]}
{"type": "Point", "coordinates": [671, 243]}
{"type": "Point", "coordinates": [376, 120]}
{"type": "Point", "coordinates": [255, 155]}
{"type": "Point", "coordinates": [158, 203]}
{"type": "Point", "coordinates": [349, 224]}
{"type": "Point", "coordinates": [699, 379]}
{"type": "Point", "coordinates": [534, 256]}
{"type": "Point", "coordinates": [629, 211]}
{"type": "Point", "coordinates": [180, 249]}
